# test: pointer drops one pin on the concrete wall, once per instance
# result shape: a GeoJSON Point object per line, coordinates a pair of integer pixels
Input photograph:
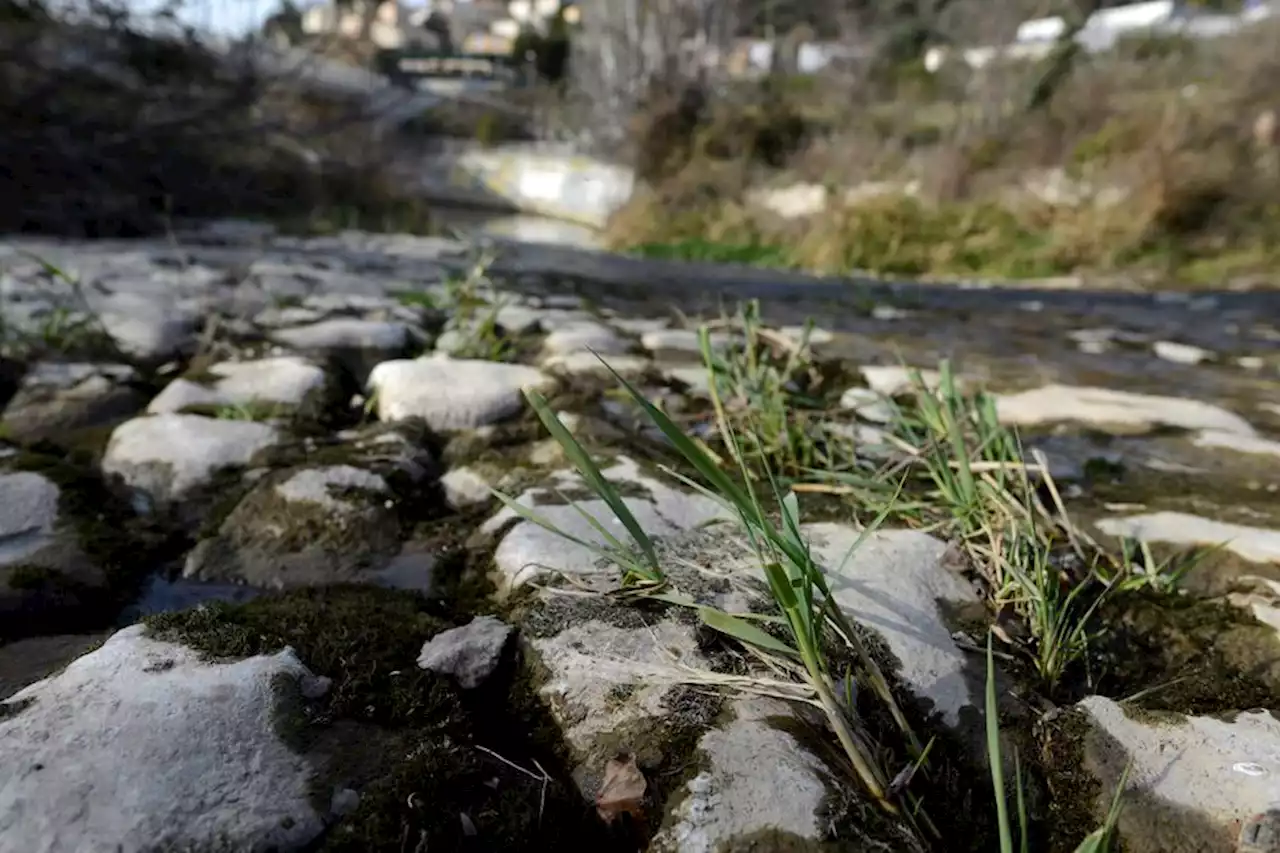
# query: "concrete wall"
{"type": "Point", "coordinates": [529, 179]}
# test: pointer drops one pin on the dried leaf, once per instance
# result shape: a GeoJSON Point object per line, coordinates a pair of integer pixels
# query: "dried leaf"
{"type": "Point", "coordinates": [622, 790]}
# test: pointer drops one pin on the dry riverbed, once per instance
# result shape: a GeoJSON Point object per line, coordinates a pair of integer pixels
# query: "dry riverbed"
{"type": "Point", "coordinates": [257, 590]}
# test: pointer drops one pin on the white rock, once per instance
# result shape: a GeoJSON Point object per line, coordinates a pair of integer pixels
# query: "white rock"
{"type": "Point", "coordinates": [1208, 773]}
{"type": "Point", "coordinates": [892, 583]}
{"type": "Point", "coordinates": [349, 333]}
{"type": "Point", "coordinates": [1180, 353]}
{"type": "Point", "coordinates": [452, 394]}
{"type": "Point", "coordinates": [148, 328]}
{"type": "Point", "coordinates": [1234, 441]}
{"type": "Point", "coordinates": [28, 515]}
{"type": "Point", "coordinates": [695, 377]}
{"type": "Point", "coordinates": [682, 340]}
{"type": "Point", "coordinates": [584, 335]}
{"type": "Point", "coordinates": [283, 380]}
{"type": "Point", "coordinates": [1105, 407]}
{"type": "Point", "coordinates": [470, 653]}
{"type": "Point", "coordinates": [139, 744]}
{"type": "Point", "coordinates": [168, 455]}
{"type": "Point", "coordinates": [732, 799]}
{"type": "Point", "coordinates": [316, 485]}
{"type": "Point", "coordinates": [464, 488]}
{"type": "Point", "coordinates": [1255, 544]}
{"type": "Point", "coordinates": [891, 380]}
{"type": "Point", "coordinates": [528, 550]}
{"type": "Point", "coordinates": [583, 362]}
{"type": "Point", "coordinates": [868, 405]}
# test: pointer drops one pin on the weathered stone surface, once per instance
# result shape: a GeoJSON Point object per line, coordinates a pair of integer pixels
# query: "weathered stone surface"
{"type": "Point", "coordinates": [56, 399]}
{"type": "Point", "coordinates": [584, 362]}
{"type": "Point", "coordinates": [1193, 779]}
{"type": "Point", "coordinates": [1104, 407]}
{"type": "Point", "coordinates": [1257, 544]}
{"type": "Point", "coordinates": [894, 583]}
{"type": "Point", "coordinates": [141, 744]}
{"type": "Point", "coordinates": [465, 488]}
{"type": "Point", "coordinates": [302, 528]}
{"type": "Point", "coordinates": [167, 456]}
{"type": "Point", "coordinates": [284, 381]}
{"type": "Point", "coordinates": [148, 328]}
{"type": "Point", "coordinates": [470, 653]}
{"type": "Point", "coordinates": [868, 405]}
{"type": "Point", "coordinates": [681, 340]}
{"type": "Point", "coordinates": [585, 335]}
{"type": "Point", "coordinates": [891, 380]}
{"type": "Point", "coordinates": [452, 394]}
{"type": "Point", "coordinates": [528, 550]}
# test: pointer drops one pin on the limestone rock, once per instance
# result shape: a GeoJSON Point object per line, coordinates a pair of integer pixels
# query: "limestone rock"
{"type": "Point", "coordinates": [1198, 776]}
{"type": "Point", "coordinates": [470, 653]}
{"type": "Point", "coordinates": [1256, 544]}
{"type": "Point", "coordinates": [304, 527]}
{"type": "Point", "coordinates": [167, 456]}
{"type": "Point", "coordinates": [287, 382]}
{"type": "Point", "coordinates": [452, 394]}
{"type": "Point", "coordinates": [1103, 407]}
{"type": "Point", "coordinates": [140, 743]}
{"type": "Point", "coordinates": [56, 399]}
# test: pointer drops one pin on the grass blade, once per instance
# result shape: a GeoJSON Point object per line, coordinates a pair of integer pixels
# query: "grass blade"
{"type": "Point", "coordinates": [743, 631]}
{"type": "Point", "coordinates": [993, 754]}
{"type": "Point", "coordinates": [595, 479]}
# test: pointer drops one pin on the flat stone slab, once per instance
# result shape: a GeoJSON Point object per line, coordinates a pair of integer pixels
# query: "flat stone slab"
{"type": "Point", "coordinates": [282, 380]}
{"type": "Point", "coordinates": [140, 744]}
{"type": "Point", "coordinates": [169, 455]}
{"type": "Point", "coordinates": [1104, 407]}
{"type": "Point", "coordinates": [1193, 779]}
{"type": "Point", "coordinates": [453, 394]}
{"type": "Point", "coordinates": [1256, 544]}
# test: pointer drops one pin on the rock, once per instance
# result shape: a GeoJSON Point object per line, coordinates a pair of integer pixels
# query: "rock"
{"type": "Point", "coordinates": [868, 405]}
{"type": "Point", "coordinates": [149, 329]}
{"type": "Point", "coordinates": [283, 381]}
{"type": "Point", "coordinates": [1103, 407]}
{"type": "Point", "coordinates": [470, 653]}
{"type": "Point", "coordinates": [584, 335]}
{"type": "Point", "coordinates": [1255, 544]}
{"type": "Point", "coordinates": [169, 456]}
{"type": "Point", "coordinates": [1235, 441]}
{"type": "Point", "coordinates": [892, 380]}
{"type": "Point", "coordinates": [56, 399]}
{"type": "Point", "coordinates": [48, 582]}
{"type": "Point", "coordinates": [894, 583]}
{"type": "Point", "coordinates": [1180, 353]}
{"type": "Point", "coordinates": [682, 340]}
{"type": "Point", "coordinates": [452, 394]}
{"type": "Point", "coordinates": [358, 344]}
{"type": "Point", "coordinates": [302, 528]}
{"type": "Point", "coordinates": [528, 550]}
{"type": "Point", "coordinates": [730, 800]}
{"type": "Point", "coordinates": [140, 743]}
{"type": "Point", "coordinates": [694, 377]}
{"type": "Point", "coordinates": [583, 362]}
{"type": "Point", "coordinates": [1198, 777]}
{"type": "Point", "coordinates": [465, 488]}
